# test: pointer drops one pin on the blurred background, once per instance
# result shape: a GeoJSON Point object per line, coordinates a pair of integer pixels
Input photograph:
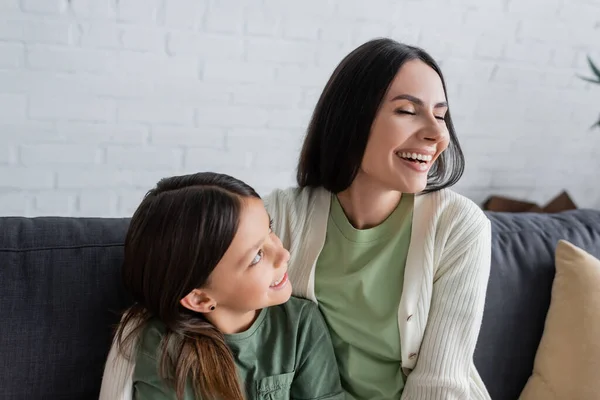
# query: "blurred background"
{"type": "Point", "coordinates": [101, 98]}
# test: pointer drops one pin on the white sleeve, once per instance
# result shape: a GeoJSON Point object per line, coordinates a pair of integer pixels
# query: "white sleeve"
{"type": "Point", "coordinates": [443, 369]}
{"type": "Point", "coordinates": [117, 381]}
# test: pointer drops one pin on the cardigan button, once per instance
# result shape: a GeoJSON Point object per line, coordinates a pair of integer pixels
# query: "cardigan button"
{"type": "Point", "coordinates": [412, 356]}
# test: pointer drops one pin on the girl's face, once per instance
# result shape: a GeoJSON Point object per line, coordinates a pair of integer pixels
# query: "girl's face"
{"type": "Point", "coordinates": [253, 272]}
{"type": "Point", "coordinates": [409, 132]}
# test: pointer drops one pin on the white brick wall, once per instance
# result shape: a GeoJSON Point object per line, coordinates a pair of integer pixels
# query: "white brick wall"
{"type": "Point", "coordinates": [101, 98]}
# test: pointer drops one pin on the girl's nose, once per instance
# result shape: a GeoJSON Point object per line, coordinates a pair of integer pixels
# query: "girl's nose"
{"type": "Point", "coordinates": [282, 256]}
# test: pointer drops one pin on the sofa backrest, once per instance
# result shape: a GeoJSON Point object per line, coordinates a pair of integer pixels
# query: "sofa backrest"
{"type": "Point", "coordinates": [60, 300]}
{"type": "Point", "coordinates": [62, 296]}
{"type": "Point", "coordinates": [519, 291]}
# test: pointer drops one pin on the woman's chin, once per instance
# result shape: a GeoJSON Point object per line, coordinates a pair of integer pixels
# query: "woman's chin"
{"type": "Point", "coordinates": [413, 187]}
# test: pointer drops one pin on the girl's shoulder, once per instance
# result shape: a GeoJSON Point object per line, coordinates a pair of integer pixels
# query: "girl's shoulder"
{"type": "Point", "coordinates": [300, 305]}
{"type": "Point", "coordinates": [150, 339]}
{"type": "Point", "coordinates": [296, 308]}
{"type": "Point", "coordinates": [297, 312]}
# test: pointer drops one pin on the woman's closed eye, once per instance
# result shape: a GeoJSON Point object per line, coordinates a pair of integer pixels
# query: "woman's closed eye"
{"type": "Point", "coordinates": [407, 112]}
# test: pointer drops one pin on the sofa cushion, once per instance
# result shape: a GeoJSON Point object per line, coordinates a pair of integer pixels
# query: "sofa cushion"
{"type": "Point", "coordinates": [519, 290]}
{"type": "Point", "coordinates": [568, 358]}
{"type": "Point", "coordinates": [61, 295]}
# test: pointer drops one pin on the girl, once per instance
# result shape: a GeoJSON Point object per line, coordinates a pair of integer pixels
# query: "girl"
{"type": "Point", "coordinates": [212, 317]}
{"type": "Point", "coordinates": [397, 262]}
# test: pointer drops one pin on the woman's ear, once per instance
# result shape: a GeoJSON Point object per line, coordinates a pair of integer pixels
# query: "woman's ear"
{"type": "Point", "coordinates": [199, 301]}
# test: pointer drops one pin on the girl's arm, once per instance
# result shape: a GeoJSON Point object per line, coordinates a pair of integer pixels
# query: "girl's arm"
{"type": "Point", "coordinates": [444, 366]}
{"type": "Point", "coordinates": [149, 391]}
{"type": "Point", "coordinates": [317, 376]}
{"type": "Point", "coordinates": [148, 385]}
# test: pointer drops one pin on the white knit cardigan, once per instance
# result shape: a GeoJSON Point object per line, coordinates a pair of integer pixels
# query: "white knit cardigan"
{"type": "Point", "coordinates": [445, 283]}
{"type": "Point", "coordinates": [441, 307]}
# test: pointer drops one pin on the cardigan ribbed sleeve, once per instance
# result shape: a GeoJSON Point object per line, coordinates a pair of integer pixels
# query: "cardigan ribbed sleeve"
{"type": "Point", "coordinates": [117, 380]}
{"type": "Point", "coordinates": [459, 247]}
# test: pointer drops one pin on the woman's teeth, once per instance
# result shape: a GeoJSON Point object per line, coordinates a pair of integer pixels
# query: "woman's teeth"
{"type": "Point", "coordinates": [415, 156]}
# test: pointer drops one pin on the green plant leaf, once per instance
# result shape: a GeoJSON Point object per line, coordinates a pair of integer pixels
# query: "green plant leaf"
{"type": "Point", "coordinates": [585, 78]}
{"type": "Point", "coordinates": [593, 67]}
{"type": "Point", "coordinates": [596, 124]}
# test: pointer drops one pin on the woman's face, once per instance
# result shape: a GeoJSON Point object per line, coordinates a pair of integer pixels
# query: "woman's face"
{"type": "Point", "coordinates": [409, 132]}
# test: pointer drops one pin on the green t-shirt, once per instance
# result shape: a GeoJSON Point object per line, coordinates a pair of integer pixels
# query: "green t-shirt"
{"type": "Point", "coordinates": [358, 284]}
{"type": "Point", "coordinates": [285, 354]}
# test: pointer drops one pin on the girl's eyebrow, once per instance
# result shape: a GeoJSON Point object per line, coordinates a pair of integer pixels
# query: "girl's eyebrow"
{"type": "Point", "coordinates": [418, 101]}
{"type": "Point", "coordinates": [255, 247]}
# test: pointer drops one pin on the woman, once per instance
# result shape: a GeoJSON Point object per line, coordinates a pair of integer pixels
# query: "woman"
{"type": "Point", "coordinates": [213, 317]}
{"type": "Point", "coordinates": [397, 262]}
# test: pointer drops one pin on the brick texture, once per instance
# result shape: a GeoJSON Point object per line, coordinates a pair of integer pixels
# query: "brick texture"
{"type": "Point", "coordinates": [99, 99]}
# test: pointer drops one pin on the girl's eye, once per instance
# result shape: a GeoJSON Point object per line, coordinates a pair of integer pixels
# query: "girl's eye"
{"type": "Point", "coordinates": [271, 225]}
{"type": "Point", "coordinates": [440, 118]}
{"type": "Point", "coordinates": [406, 112]}
{"type": "Point", "coordinates": [257, 258]}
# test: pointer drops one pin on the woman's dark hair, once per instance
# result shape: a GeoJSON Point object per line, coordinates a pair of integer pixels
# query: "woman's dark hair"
{"type": "Point", "coordinates": [176, 237]}
{"type": "Point", "coordinates": [341, 122]}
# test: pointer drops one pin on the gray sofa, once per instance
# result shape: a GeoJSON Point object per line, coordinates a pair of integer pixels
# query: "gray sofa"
{"type": "Point", "coordinates": [61, 297]}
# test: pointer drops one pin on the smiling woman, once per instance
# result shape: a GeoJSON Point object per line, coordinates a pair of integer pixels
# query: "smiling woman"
{"type": "Point", "coordinates": [373, 86]}
{"type": "Point", "coordinates": [397, 262]}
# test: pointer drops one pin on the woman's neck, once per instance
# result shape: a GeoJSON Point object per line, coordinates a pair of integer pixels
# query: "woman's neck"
{"type": "Point", "coordinates": [366, 203]}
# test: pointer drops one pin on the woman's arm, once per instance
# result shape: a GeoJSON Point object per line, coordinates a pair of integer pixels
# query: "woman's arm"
{"type": "Point", "coordinates": [317, 375]}
{"type": "Point", "coordinates": [118, 372]}
{"type": "Point", "coordinates": [444, 366]}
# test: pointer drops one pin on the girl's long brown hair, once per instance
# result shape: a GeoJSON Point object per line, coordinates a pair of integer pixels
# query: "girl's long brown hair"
{"type": "Point", "coordinates": [176, 237]}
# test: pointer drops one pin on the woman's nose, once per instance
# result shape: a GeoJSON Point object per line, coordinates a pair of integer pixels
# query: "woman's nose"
{"type": "Point", "coordinates": [434, 131]}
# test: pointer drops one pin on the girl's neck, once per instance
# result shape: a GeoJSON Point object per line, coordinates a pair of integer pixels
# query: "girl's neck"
{"type": "Point", "coordinates": [229, 322]}
{"type": "Point", "coordinates": [366, 203]}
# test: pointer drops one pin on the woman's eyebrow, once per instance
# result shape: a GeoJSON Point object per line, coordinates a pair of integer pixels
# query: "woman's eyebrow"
{"type": "Point", "coordinates": [418, 101]}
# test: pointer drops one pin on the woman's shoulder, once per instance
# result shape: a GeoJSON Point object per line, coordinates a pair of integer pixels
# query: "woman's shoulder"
{"type": "Point", "coordinates": [444, 199]}
{"type": "Point", "coordinates": [295, 199]}
{"type": "Point", "coordinates": [453, 211]}
{"type": "Point", "coordinates": [449, 201]}
{"type": "Point", "coordinates": [296, 211]}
